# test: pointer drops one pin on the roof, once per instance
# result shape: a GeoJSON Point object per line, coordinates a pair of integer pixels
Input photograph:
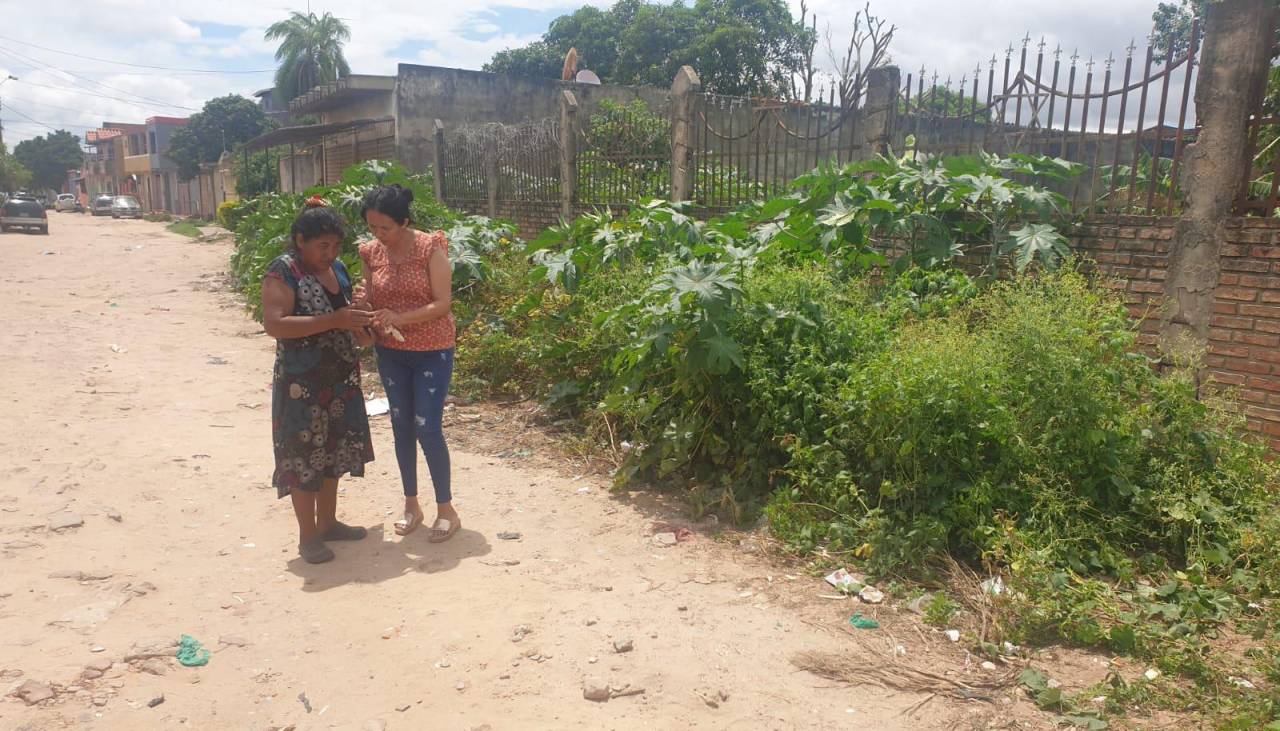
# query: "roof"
{"type": "Point", "coordinates": [308, 133]}
{"type": "Point", "coordinates": [95, 136]}
{"type": "Point", "coordinates": [348, 89]}
{"type": "Point", "coordinates": [178, 121]}
{"type": "Point", "coordinates": [263, 92]}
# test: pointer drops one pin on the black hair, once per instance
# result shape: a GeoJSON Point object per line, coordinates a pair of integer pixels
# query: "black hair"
{"type": "Point", "coordinates": [392, 201]}
{"type": "Point", "coordinates": [317, 220]}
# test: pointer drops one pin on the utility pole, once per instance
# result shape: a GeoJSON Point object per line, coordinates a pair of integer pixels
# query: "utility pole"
{"type": "Point", "coordinates": [7, 78]}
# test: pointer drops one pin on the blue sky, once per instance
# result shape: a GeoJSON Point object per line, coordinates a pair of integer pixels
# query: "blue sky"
{"type": "Point", "coordinates": [187, 37]}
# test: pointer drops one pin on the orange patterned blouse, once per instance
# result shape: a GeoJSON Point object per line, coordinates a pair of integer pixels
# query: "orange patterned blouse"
{"type": "Point", "coordinates": [404, 286]}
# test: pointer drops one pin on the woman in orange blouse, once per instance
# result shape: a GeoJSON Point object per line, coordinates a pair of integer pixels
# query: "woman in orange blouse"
{"type": "Point", "coordinates": [408, 285]}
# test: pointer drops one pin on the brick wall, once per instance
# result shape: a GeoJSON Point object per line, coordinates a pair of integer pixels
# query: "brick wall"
{"type": "Point", "coordinates": [1244, 337]}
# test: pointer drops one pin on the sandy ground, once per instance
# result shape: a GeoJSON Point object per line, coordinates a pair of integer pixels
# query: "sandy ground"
{"type": "Point", "coordinates": [138, 396]}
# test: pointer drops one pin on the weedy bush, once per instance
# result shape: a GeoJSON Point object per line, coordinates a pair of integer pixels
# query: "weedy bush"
{"type": "Point", "coordinates": [262, 232]}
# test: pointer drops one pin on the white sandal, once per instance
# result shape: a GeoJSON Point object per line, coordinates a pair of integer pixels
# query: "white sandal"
{"type": "Point", "coordinates": [408, 524]}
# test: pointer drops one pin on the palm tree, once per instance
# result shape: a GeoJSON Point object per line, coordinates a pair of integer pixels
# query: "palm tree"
{"type": "Point", "coordinates": [310, 52]}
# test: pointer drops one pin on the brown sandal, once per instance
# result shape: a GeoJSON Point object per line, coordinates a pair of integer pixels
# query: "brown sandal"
{"type": "Point", "coordinates": [443, 529]}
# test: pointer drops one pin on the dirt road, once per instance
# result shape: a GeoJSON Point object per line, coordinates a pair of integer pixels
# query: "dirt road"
{"type": "Point", "coordinates": [138, 396]}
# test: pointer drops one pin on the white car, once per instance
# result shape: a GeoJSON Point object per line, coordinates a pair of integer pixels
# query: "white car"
{"type": "Point", "coordinates": [66, 202]}
{"type": "Point", "coordinates": [125, 206]}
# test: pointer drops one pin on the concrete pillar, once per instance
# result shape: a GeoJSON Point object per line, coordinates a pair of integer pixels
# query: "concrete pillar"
{"type": "Point", "coordinates": [491, 173]}
{"type": "Point", "coordinates": [437, 162]}
{"type": "Point", "coordinates": [684, 89]}
{"type": "Point", "coordinates": [1234, 64]}
{"type": "Point", "coordinates": [879, 118]}
{"type": "Point", "coordinates": [568, 153]}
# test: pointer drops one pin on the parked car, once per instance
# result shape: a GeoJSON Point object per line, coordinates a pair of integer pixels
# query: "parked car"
{"type": "Point", "coordinates": [101, 206]}
{"type": "Point", "coordinates": [28, 213]}
{"type": "Point", "coordinates": [126, 206]}
{"type": "Point", "coordinates": [65, 202]}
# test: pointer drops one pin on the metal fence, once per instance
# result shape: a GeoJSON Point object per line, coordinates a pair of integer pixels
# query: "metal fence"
{"type": "Point", "coordinates": [482, 165]}
{"type": "Point", "coordinates": [745, 149]}
{"type": "Point", "coordinates": [1128, 125]}
{"type": "Point", "coordinates": [623, 155]}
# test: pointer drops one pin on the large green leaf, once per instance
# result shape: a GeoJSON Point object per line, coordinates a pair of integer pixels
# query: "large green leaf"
{"type": "Point", "coordinates": [1038, 240]}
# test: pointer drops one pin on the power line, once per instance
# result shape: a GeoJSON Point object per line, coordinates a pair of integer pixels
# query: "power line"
{"type": "Point", "coordinates": [55, 106]}
{"type": "Point", "coordinates": [136, 65]}
{"type": "Point", "coordinates": [96, 83]}
{"type": "Point", "coordinates": [87, 93]}
{"type": "Point", "coordinates": [31, 119]}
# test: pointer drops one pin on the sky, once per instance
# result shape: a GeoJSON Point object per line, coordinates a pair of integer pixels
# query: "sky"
{"type": "Point", "coordinates": [73, 71]}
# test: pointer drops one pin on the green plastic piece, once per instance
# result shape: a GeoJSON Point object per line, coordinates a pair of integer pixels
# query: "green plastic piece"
{"type": "Point", "coordinates": [190, 653]}
{"type": "Point", "coordinates": [861, 622]}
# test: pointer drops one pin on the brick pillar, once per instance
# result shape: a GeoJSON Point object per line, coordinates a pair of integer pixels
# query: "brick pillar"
{"type": "Point", "coordinates": [683, 90]}
{"type": "Point", "coordinates": [1234, 64]}
{"type": "Point", "coordinates": [568, 153]}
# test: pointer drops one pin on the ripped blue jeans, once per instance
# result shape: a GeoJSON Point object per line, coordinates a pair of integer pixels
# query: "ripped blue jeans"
{"type": "Point", "coordinates": [417, 382]}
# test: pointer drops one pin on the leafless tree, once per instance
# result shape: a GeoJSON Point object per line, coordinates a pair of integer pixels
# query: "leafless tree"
{"type": "Point", "coordinates": [802, 79]}
{"type": "Point", "coordinates": [868, 49]}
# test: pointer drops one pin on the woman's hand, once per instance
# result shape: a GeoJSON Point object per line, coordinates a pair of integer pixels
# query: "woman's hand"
{"type": "Point", "coordinates": [386, 319]}
{"type": "Point", "coordinates": [360, 298]}
{"type": "Point", "coordinates": [349, 318]}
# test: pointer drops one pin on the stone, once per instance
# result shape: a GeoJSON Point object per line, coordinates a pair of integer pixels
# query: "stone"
{"type": "Point", "coordinates": [374, 724]}
{"type": "Point", "coordinates": [520, 632]}
{"type": "Point", "coordinates": [682, 608]}
{"type": "Point", "coordinates": [665, 539]}
{"type": "Point", "coordinates": [115, 515]}
{"type": "Point", "coordinates": [592, 622]}
{"type": "Point", "coordinates": [155, 666]}
{"type": "Point", "coordinates": [155, 701]}
{"type": "Point", "coordinates": [402, 709]}
{"type": "Point", "coordinates": [142, 589]}
{"type": "Point", "coordinates": [64, 521]}
{"type": "Point", "coordinates": [988, 666]}
{"type": "Point", "coordinates": [91, 674]}
{"type": "Point", "coordinates": [232, 641]}
{"type": "Point", "coordinates": [97, 648]}
{"type": "Point", "coordinates": [101, 701]}
{"type": "Point", "coordinates": [593, 660]}
{"type": "Point", "coordinates": [621, 646]}
{"type": "Point", "coordinates": [920, 604]}
{"type": "Point", "coordinates": [871, 595]}
{"type": "Point", "coordinates": [509, 535]}
{"type": "Point", "coordinates": [461, 685]}
{"type": "Point", "coordinates": [34, 691]}
{"type": "Point", "coordinates": [596, 690]}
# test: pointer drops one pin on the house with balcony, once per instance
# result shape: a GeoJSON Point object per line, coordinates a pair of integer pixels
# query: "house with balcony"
{"type": "Point", "coordinates": [104, 166]}
{"type": "Point", "coordinates": [153, 175]}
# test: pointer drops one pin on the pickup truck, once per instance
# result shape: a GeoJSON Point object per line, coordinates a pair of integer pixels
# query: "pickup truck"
{"type": "Point", "coordinates": [27, 213]}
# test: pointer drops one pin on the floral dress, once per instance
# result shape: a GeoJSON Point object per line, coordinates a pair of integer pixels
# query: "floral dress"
{"type": "Point", "coordinates": [318, 423]}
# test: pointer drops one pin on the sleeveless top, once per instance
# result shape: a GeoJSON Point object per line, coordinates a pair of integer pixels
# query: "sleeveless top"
{"type": "Point", "coordinates": [404, 286]}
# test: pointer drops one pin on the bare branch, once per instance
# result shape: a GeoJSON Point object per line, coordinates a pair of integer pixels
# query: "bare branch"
{"type": "Point", "coordinates": [868, 49]}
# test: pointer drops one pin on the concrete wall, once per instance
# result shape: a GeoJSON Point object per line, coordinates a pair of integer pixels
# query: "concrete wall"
{"type": "Point", "coordinates": [458, 97]}
{"type": "Point", "coordinates": [375, 107]}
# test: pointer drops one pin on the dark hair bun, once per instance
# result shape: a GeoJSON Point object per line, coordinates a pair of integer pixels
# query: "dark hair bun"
{"type": "Point", "coordinates": [393, 201]}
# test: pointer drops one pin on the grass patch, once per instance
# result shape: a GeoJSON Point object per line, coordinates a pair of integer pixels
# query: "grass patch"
{"type": "Point", "coordinates": [185, 228]}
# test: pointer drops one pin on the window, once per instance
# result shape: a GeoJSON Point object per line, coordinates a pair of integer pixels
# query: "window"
{"type": "Point", "coordinates": [152, 137]}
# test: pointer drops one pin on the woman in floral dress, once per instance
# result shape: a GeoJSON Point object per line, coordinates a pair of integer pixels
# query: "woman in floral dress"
{"type": "Point", "coordinates": [319, 426]}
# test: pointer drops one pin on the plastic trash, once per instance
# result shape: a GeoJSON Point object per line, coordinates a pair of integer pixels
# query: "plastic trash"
{"type": "Point", "coordinates": [190, 653]}
{"type": "Point", "coordinates": [377, 407]}
{"type": "Point", "coordinates": [845, 581]}
{"type": "Point", "coordinates": [860, 622]}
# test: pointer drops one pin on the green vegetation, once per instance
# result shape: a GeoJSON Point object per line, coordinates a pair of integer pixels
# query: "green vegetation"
{"type": "Point", "coordinates": [222, 125]}
{"type": "Point", "coordinates": [740, 47]}
{"type": "Point", "coordinates": [899, 364]}
{"type": "Point", "coordinates": [48, 158]}
{"type": "Point", "coordinates": [310, 52]}
{"type": "Point", "coordinates": [262, 227]}
{"type": "Point", "coordinates": [185, 228]}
